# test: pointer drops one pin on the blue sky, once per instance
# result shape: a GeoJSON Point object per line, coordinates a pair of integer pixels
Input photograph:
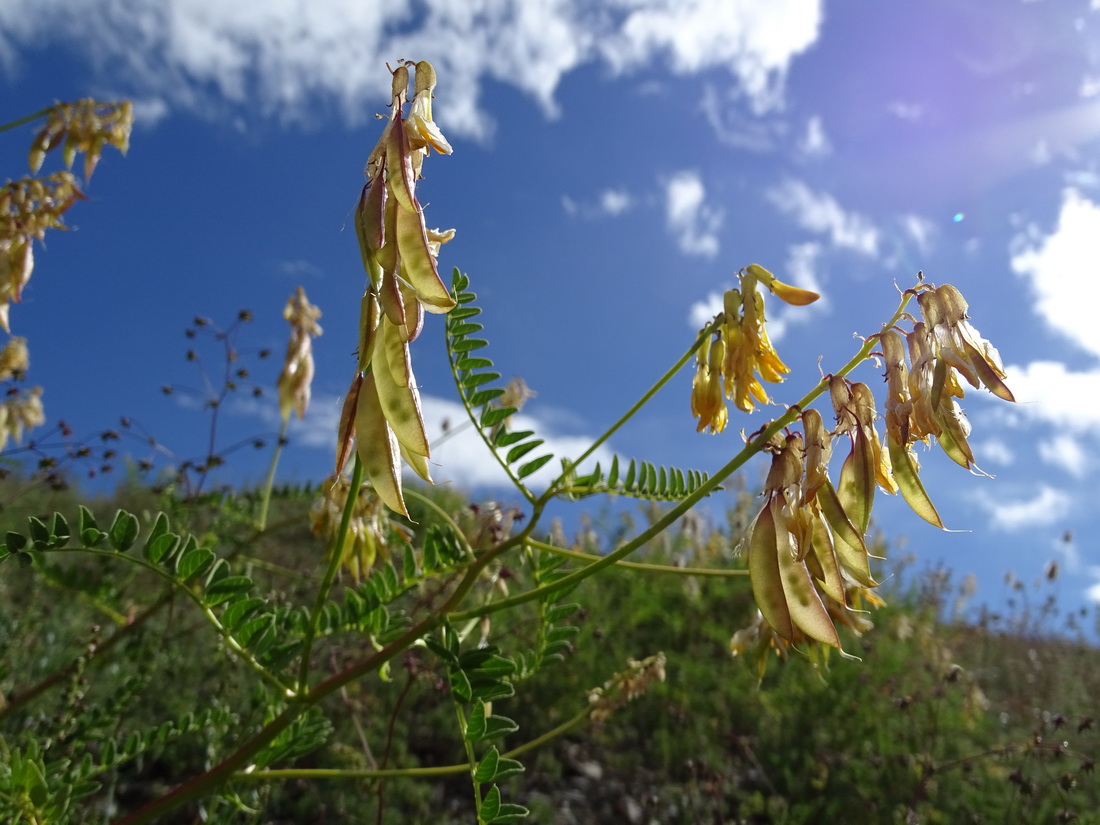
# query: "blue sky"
{"type": "Point", "coordinates": [615, 163]}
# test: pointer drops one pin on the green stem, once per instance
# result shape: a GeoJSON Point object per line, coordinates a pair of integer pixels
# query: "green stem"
{"type": "Point", "coordinates": [23, 120]}
{"type": "Point", "coordinates": [588, 558]}
{"type": "Point", "coordinates": [705, 333]}
{"type": "Point", "coordinates": [406, 773]}
{"type": "Point", "coordinates": [270, 482]}
{"type": "Point", "coordinates": [750, 449]}
{"type": "Point", "coordinates": [335, 556]}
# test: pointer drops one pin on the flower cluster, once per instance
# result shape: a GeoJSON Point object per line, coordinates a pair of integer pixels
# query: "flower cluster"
{"type": "Point", "coordinates": [297, 375]}
{"type": "Point", "coordinates": [15, 360]}
{"type": "Point", "coordinates": [381, 414]}
{"type": "Point", "coordinates": [807, 552]}
{"type": "Point", "coordinates": [20, 411]}
{"type": "Point", "coordinates": [729, 364]}
{"type": "Point", "coordinates": [367, 538]}
{"type": "Point", "coordinates": [28, 207]}
{"type": "Point", "coordinates": [626, 686]}
{"type": "Point", "coordinates": [84, 126]}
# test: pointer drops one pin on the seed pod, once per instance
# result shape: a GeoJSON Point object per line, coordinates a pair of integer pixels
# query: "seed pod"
{"type": "Point", "coordinates": [767, 584]}
{"type": "Point", "coordinates": [912, 490]}
{"type": "Point", "coordinates": [377, 447]}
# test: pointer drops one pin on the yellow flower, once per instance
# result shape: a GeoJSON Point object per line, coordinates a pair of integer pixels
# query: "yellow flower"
{"type": "Point", "coordinates": [14, 359]}
{"type": "Point", "coordinates": [706, 392]}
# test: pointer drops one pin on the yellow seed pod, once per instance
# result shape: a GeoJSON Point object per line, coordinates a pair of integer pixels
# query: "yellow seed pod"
{"type": "Point", "coordinates": [425, 77]}
{"type": "Point", "coordinates": [400, 83]}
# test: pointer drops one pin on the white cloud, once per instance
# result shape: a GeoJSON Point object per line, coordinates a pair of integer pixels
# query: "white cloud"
{"type": "Point", "coordinates": [703, 312]}
{"type": "Point", "coordinates": [286, 58]}
{"type": "Point", "coordinates": [694, 223]}
{"type": "Point", "coordinates": [907, 110]}
{"type": "Point", "coordinates": [1047, 391]}
{"type": "Point", "coordinates": [300, 268]}
{"type": "Point", "coordinates": [460, 458]}
{"type": "Point", "coordinates": [756, 41]}
{"type": "Point", "coordinates": [1066, 452]}
{"type": "Point", "coordinates": [995, 451]}
{"type": "Point", "coordinates": [1092, 594]}
{"type": "Point", "coordinates": [721, 106]}
{"type": "Point", "coordinates": [1046, 507]}
{"type": "Point", "coordinates": [815, 143]}
{"type": "Point", "coordinates": [921, 230]}
{"type": "Point", "coordinates": [820, 212]}
{"type": "Point", "coordinates": [1062, 268]}
{"type": "Point", "coordinates": [610, 203]}
{"type": "Point", "coordinates": [615, 201]}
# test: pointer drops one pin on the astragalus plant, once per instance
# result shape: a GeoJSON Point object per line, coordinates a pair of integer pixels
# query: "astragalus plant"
{"type": "Point", "coordinates": [482, 600]}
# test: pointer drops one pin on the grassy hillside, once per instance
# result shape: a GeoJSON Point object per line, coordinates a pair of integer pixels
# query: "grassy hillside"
{"type": "Point", "coordinates": [939, 722]}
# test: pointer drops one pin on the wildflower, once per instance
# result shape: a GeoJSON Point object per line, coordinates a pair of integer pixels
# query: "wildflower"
{"type": "Point", "coordinates": [14, 359]}
{"type": "Point", "coordinates": [706, 391]}
{"type": "Point", "coordinates": [21, 412]}
{"type": "Point", "coordinates": [28, 207]}
{"type": "Point", "coordinates": [749, 356]}
{"type": "Point", "coordinates": [626, 686]}
{"type": "Point", "coordinates": [294, 380]}
{"type": "Point", "coordinates": [958, 344]}
{"type": "Point", "coordinates": [367, 537]}
{"type": "Point", "coordinates": [84, 126]}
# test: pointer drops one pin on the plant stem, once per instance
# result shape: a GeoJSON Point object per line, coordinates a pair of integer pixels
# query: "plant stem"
{"type": "Point", "coordinates": [588, 558]}
{"type": "Point", "coordinates": [261, 522]}
{"type": "Point", "coordinates": [335, 556]}
{"type": "Point", "coordinates": [27, 119]}
{"type": "Point", "coordinates": [706, 332]}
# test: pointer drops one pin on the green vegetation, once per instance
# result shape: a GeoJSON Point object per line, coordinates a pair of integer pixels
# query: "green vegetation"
{"type": "Point", "coordinates": [940, 722]}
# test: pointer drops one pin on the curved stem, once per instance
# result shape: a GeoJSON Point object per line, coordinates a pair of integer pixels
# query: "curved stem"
{"type": "Point", "coordinates": [407, 773]}
{"type": "Point", "coordinates": [589, 558]}
{"type": "Point", "coordinates": [706, 332]}
{"type": "Point", "coordinates": [335, 555]}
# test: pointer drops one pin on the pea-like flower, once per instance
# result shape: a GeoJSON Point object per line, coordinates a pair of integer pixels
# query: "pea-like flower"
{"type": "Point", "coordinates": [749, 356]}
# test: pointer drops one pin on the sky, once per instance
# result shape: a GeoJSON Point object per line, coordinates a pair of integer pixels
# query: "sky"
{"type": "Point", "coordinates": [615, 163]}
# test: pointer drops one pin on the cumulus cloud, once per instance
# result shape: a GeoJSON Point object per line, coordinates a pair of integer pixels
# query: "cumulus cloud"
{"type": "Point", "coordinates": [1061, 268]}
{"type": "Point", "coordinates": [819, 212]}
{"type": "Point", "coordinates": [287, 59]}
{"type": "Point", "coordinates": [995, 451]}
{"type": "Point", "coordinates": [610, 203]}
{"type": "Point", "coordinates": [1048, 506]}
{"type": "Point", "coordinates": [694, 222]}
{"type": "Point", "coordinates": [1049, 392]}
{"type": "Point", "coordinates": [756, 41]}
{"type": "Point", "coordinates": [1065, 452]}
